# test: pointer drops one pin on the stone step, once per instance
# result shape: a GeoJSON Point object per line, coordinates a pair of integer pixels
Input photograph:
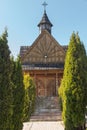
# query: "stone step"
{"type": "Point", "coordinates": [47, 114]}
{"type": "Point", "coordinates": [46, 118]}
{"type": "Point", "coordinates": [54, 111]}
{"type": "Point", "coordinates": [47, 109]}
{"type": "Point", "coordinates": [47, 102]}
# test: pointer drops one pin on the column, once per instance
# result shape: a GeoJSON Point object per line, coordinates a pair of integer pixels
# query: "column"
{"type": "Point", "coordinates": [56, 84]}
{"type": "Point", "coordinates": [45, 83]}
{"type": "Point", "coordinates": [35, 84]}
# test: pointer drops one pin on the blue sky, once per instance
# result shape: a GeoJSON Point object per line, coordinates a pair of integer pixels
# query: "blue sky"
{"type": "Point", "coordinates": [22, 16]}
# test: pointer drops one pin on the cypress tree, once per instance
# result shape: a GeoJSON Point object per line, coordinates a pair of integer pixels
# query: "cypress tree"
{"type": "Point", "coordinates": [30, 94]}
{"type": "Point", "coordinates": [6, 98]}
{"type": "Point", "coordinates": [73, 89]}
{"type": "Point", "coordinates": [18, 94]}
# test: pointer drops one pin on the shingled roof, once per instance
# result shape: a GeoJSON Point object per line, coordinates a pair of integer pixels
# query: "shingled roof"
{"type": "Point", "coordinates": [45, 20]}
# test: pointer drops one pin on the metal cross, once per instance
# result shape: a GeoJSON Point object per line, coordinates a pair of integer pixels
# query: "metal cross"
{"type": "Point", "coordinates": [44, 4]}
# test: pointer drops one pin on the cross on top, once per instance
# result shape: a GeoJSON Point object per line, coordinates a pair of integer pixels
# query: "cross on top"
{"type": "Point", "coordinates": [44, 4]}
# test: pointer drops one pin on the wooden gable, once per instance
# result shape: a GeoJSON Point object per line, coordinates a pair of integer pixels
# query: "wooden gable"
{"type": "Point", "coordinates": [45, 49]}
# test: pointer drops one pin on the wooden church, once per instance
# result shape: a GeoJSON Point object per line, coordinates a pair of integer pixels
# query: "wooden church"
{"type": "Point", "coordinates": [44, 60]}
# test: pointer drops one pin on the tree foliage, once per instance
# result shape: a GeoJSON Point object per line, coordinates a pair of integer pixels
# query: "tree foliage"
{"type": "Point", "coordinates": [18, 94]}
{"type": "Point", "coordinates": [30, 92]}
{"type": "Point", "coordinates": [73, 89]}
{"type": "Point", "coordinates": [6, 97]}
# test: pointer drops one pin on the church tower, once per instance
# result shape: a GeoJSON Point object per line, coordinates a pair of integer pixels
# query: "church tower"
{"type": "Point", "coordinates": [45, 23]}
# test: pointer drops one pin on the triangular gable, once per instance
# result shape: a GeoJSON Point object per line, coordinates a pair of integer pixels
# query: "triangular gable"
{"type": "Point", "coordinates": [45, 49]}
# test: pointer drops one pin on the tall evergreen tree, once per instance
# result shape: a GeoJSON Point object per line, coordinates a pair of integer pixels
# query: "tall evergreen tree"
{"type": "Point", "coordinates": [73, 89]}
{"type": "Point", "coordinates": [6, 97]}
{"type": "Point", "coordinates": [18, 94]}
{"type": "Point", "coordinates": [30, 94]}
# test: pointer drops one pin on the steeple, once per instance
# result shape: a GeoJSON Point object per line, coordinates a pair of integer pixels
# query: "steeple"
{"type": "Point", "coordinates": [45, 23]}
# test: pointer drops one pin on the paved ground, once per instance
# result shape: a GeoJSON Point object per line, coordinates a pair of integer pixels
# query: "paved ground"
{"type": "Point", "coordinates": [43, 126]}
